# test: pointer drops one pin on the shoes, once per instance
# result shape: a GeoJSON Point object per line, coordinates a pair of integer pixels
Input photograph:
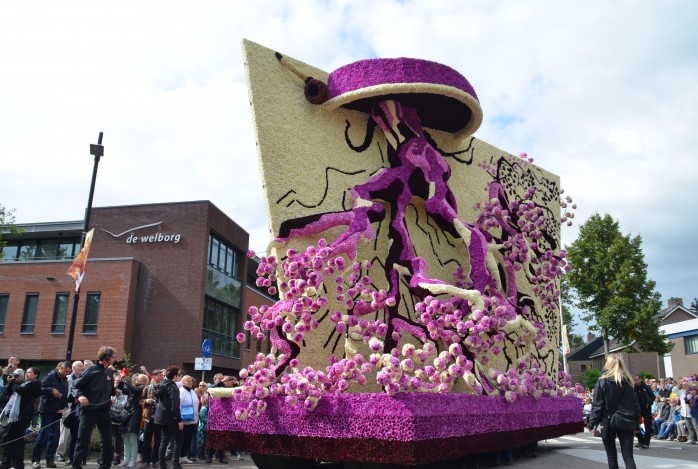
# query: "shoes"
{"type": "Point", "coordinates": [240, 458]}
{"type": "Point", "coordinates": [123, 464]}
{"type": "Point", "coordinates": [185, 461]}
{"type": "Point", "coordinates": [225, 461]}
{"type": "Point", "coordinates": [50, 464]}
{"type": "Point", "coordinates": [645, 447]}
{"type": "Point", "coordinates": [638, 445]}
{"type": "Point", "coordinates": [209, 460]}
{"type": "Point", "coordinates": [68, 463]}
{"type": "Point", "coordinates": [36, 465]}
{"type": "Point", "coordinates": [60, 457]}
{"type": "Point", "coordinates": [131, 465]}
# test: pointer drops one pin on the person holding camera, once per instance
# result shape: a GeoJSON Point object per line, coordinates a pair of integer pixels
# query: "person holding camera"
{"type": "Point", "coordinates": [24, 388]}
{"type": "Point", "coordinates": [94, 390]}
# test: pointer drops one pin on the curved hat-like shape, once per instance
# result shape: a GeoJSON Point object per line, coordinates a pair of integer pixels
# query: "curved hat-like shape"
{"type": "Point", "coordinates": [444, 99]}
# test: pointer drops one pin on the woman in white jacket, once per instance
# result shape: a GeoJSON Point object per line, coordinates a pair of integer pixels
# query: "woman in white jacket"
{"type": "Point", "coordinates": [189, 408]}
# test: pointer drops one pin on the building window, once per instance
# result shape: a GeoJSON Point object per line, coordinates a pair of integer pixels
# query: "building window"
{"type": "Point", "coordinates": [89, 326]}
{"type": "Point", "coordinates": [223, 256]}
{"type": "Point", "coordinates": [8, 253]}
{"type": "Point", "coordinates": [29, 318]}
{"type": "Point", "coordinates": [221, 327]}
{"type": "Point", "coordinates": [48, 249]}
{"type": "Point", "coordinates": [4, 299]}
{"type": "Point", "coordinates": [691, 344]}
{"type": "Point", "coordinates": [60, 312]}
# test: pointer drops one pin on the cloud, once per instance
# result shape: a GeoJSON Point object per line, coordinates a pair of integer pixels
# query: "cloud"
{"type": "Point", "coordinates": [601, 94]}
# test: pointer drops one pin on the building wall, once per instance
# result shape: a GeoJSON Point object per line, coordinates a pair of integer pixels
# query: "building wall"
{"type": "Point", "coordinates": [114, 279]}
{"type": "Point", "coordinates": [577, 369]}
{"type": "Point", "coordinates": [677, 316]}
{"type": "Point", "coordinates": [644, 361]}
{"type": "Point", "coordinates": [150, 263]}
{"type": "Point", "coordinates": [682, 364]}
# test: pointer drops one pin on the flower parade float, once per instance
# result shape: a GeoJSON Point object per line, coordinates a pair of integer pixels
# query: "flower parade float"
{"type": "Point", "coordinates": [417, 269]}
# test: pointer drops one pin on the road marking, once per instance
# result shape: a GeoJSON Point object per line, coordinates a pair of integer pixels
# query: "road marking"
{"type": "Point", "coordinates": [646, 462]}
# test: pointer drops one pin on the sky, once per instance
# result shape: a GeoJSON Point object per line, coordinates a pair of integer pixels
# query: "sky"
{"type": "Point", "coordinates": [602, 93]}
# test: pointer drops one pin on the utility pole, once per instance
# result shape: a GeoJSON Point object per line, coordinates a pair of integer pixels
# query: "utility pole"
{"type": "Point", "coordinates": [97, 151]}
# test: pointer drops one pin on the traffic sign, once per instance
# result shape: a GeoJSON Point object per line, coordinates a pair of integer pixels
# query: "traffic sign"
{"type": "Point", "coordinates": [206, 348]}
{"type": "Point", "coordinates": [203, 363]}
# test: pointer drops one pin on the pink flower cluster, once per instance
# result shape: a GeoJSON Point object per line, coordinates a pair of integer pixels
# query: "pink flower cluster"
{"type": "Point", "coordinates": [456, 337]}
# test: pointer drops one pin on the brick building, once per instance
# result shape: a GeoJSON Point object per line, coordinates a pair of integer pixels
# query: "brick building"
{"type": "Point", "coordinates": [160, 279]}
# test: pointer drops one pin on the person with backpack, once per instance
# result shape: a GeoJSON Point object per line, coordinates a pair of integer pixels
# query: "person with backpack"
{"type": "Point", "coordinates": [24, 388]}
{"type": "Point", "coordinates": [615, 412]}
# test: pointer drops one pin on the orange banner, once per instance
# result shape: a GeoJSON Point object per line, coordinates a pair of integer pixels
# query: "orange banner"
{"type": "Point", "coordinates": [77, 268]}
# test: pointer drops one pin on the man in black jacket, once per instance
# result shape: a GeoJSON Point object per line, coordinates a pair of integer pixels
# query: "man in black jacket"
{"type": "Point", "coordinates": [54, 399]}
{"type": "Point", "coordinates": [169, 418]}
{"type": "Point", "coordinates": [645, 397]}
{"type": "Point", "coordinates": [94, 390]}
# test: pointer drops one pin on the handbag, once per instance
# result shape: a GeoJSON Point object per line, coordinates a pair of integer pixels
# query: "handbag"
{"type": "Point", "coordinates": [118, 416]}
{"type": "Point", "coordinates": [622, 421]}
{"type": "Point", "coordinates": [187, 413]}
{"type": "Point", "coordinates": [71, 420]}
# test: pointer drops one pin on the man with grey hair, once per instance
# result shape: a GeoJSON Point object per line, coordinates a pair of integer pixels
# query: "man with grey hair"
{"type": "Point", "coordinates": [78, 366]}
{"type": "Point", "coordinates": [54, 400]}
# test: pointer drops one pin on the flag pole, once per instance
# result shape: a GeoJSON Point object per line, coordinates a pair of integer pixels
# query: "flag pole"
{"type": "Point", "coordinates": [97, 151]}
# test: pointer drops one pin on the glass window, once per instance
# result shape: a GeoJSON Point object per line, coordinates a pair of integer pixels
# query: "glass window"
{"type": "Point", "coordinates": [89, 326]}
{"type": "Point", "coordinates": [8, 253]}
{"type": "Point", "coordinates": [27, 250]}
{"type": "Point", "coordinates": [691, 344]}
{"type": "Point", "coordinates": [29, 318]}
{"type": "Point", "coordinates": [4, 299]}
{"type": "Point", "coordinates": [221, 327]}
{"type": "Point", "coordinates": [60, 312]}
{"type": "Point", "coordinates": [48, 248]}
{"type": "Point", "coordinates": [66, 249]}
{"type": "Point", "coordinates": [230, 262]}
{"type": "Point", "coordinates": [224, 256]}
{"type": "Point", "coordinates": [213, 252]}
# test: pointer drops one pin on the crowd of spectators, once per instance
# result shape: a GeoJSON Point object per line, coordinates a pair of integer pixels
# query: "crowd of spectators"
{"type": "Point", "coordinates": [155, 417]}
{"type": "Point", "coordinates": [672, 414]}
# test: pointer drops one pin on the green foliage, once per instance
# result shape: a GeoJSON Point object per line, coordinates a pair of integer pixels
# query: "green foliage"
{"type": "Point", "coordinates": [125, 362]}
{"type": "Point", "coordinates": [646, 375]}
{"type": "Point", "coordinates": [611, 288]}
{"type": "Point", "coordinates": [591, 376]}
{"type": "Point", "coordinates": [575, 340]}
{"type": "Point", "coordinates": [7, 224]}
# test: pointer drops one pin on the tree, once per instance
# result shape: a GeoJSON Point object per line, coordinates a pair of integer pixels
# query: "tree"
{"type": "Point", "coordinates": [611, 288]}
{"type": "Point", "coordinates": [7, 224]}
{"type": "Point", "coordinates": [568, 319]}
{"type": "Point", "coordinates": [591, 376]}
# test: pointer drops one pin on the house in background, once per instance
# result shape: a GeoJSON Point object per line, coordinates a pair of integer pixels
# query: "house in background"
{"type": "Point", "coordinates": [579, 359]}
{"type": "Point", "coordinates": [679, 323]}
{"type": "Point", "coordinates": [681, 326]}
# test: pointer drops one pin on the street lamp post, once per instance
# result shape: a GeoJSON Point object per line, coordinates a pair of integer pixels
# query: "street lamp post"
{"type": "Point", "coordinates": [97, 151]}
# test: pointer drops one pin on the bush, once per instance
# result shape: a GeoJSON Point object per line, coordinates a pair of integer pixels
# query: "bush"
{"type": "Point", "coordinates": [590, 378]}
{"type": "Point", "coordinates": [646, 374]}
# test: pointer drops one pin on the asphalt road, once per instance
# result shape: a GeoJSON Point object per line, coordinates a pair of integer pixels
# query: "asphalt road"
{"type": "Point", "coordinates": [581, 451]}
